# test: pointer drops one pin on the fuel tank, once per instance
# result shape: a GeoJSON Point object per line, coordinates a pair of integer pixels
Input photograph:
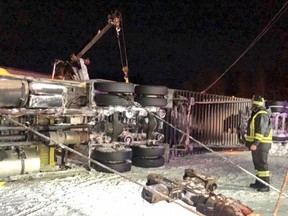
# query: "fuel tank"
{"type": "Point", "coordinates": [13, 93]}
{"type": "Point", "coordinates": [11, 164]}
{"type": "Point", "coordinates": [68, 137]}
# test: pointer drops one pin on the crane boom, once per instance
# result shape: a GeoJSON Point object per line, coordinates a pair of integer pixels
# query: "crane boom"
{"type": "Point", "coordinates": [113, 20]}
{"type": "Point", "coordinates": [94, 40]}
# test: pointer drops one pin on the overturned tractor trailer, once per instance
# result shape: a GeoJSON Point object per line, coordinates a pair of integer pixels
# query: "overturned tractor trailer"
{"type": "Point", "coordinates": [115, 123]}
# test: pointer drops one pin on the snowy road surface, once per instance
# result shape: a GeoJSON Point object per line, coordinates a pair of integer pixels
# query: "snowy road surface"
{"type": "Point", "coordinates": [93, 193]}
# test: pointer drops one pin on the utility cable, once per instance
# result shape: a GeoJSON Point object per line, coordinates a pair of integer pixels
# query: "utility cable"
{"type": "Point", "coordinates": [275, 18]}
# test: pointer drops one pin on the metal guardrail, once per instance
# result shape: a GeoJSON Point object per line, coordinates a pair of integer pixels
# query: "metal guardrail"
{"type": "Point", "coordinates": [211, 119]}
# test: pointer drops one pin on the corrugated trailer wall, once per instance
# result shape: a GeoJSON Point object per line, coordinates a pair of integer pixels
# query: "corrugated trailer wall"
{"type": "Point", "coordinates": [212, 120]}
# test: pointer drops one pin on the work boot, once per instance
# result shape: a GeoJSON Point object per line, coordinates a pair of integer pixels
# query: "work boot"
{"type": "Point", "coordinates": [255, 185]}
{"type": "Point", "coordinates": [263, 189]}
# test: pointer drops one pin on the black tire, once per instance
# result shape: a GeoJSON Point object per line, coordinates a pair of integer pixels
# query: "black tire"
{"type": "Point", "coordinates": [151, 90]}
{"type": "Point", "coordinates": [119, 167]}
{"type": "Point", "coordinates": [277, 106]}
{"type": "Point", "coordinates": [279, 138]}
{"type": "Point", "coordinates": [117, 87]}
{"type": "Point", "coordinates": [112, 100]}
{"type": "Point", "coordinates": [151, 101]}
{"type": "Point", "coordinates": [148, 162]}
{"type": "Point", "coordinates": [111, 154]}
{"type": "Point", "coordinates": [148, 151]}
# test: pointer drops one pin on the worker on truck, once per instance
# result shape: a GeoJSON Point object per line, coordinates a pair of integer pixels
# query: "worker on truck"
{"type": "Point", "coordinates": [79, 67]}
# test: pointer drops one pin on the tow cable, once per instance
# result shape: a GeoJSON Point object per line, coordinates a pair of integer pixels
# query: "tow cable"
{"type": "Point", "coordinates": [100, 164]}
{"type": "Point", "coordinates": [223, 157]}
{"type": "Point", "coordinates": [134, 181]}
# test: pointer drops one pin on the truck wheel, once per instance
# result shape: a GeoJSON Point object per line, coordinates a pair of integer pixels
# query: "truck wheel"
{"type": "Point", "coordinates": [124, 166]}
{"type": "Point", "coordinates": [151, 90]}
{"type": "Point", "coordinates": [147, 151]}
{"type": "Point", "coordinates": [148, 162]}
{"type": "Point", "coordinates": [151, 101]}
{"type": "Point", "coordinates": [279, 138]}
{"type": "Point", "coordinates": [277, 106]}
{"type": "Point", "coordinates": [112, 100]}
{"type": "Point", "coordinates": [117, 87]}
{"type": "Point", "coordinates": [111, 154]}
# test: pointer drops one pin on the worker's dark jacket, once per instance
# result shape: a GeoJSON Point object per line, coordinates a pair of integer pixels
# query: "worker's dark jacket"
{"type": "Point", "coordinates": [259, 129]}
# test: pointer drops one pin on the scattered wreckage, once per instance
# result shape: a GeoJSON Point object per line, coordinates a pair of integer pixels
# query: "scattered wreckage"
{"type": "Point", "coordinates": [195, 189]}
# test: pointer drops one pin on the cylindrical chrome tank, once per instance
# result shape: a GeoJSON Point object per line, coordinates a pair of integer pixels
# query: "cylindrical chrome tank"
{"type": "Point", "coordinates": [39, 88]}
{"type": "Point", "coordinates": [69, 137]}
{"type": "Point", "coordinates": [11, 165]}
{"type": "Point", "coordinates": [13, 93]}
{"type": "Point", "coordinates": [45, 101]}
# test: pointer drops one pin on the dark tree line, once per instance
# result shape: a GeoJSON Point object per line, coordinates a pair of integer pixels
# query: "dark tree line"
{"type": "Point", "coordinates": [184, 45]}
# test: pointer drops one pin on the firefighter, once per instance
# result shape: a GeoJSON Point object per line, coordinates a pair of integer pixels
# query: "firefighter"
{"type": "Point", "coordinates": [259, 140]}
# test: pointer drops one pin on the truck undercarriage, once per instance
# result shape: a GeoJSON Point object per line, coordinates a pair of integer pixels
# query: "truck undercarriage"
{"type": "Point", "coordinates": [111, 119]}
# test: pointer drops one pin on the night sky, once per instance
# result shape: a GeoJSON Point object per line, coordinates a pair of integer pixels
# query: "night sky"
{"type": "Point", "coordinates": [180, 44]}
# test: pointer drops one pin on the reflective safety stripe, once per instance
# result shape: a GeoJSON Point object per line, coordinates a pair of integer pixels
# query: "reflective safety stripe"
{"type": "Point", "coordinates": [2, 183]}
{"type": "Point", "coordinates": [263, 173]}
{"type": "Point", "coordinates": [249, 138]}
{"type": "Point", "coordinates": [267, 139]}
{"type": "Point", "coordinates": [260, 137]}
{"type": "Point", "coordinates": [259, 103]}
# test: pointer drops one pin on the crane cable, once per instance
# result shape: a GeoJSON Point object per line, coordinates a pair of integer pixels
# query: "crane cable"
{"type": "Point", "coordinates": [275, 18]}
{"type": "Point", "coordinates": [124, 65]}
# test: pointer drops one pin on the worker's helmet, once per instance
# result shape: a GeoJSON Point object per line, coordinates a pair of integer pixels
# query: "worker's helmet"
{"type": "Point", "coordinates": [257, 102]}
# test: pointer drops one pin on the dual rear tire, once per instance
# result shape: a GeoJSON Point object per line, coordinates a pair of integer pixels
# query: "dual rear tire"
{"type": "Point", "coordinates": [122, 159]}
{"type": "Point", "coordinates": [148, 156]}
{"type": "Point", "coordinates": [114, 158]}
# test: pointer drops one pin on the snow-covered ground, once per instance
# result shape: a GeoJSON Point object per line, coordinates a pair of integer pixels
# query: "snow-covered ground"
{"type": "Point", "coordinates": [92, 193]}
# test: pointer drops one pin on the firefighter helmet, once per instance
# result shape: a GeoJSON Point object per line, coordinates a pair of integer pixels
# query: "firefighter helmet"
{"type": "Point", "coordinates": [258, 101]}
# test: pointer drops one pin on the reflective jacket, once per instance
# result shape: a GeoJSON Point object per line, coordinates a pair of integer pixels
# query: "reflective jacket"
{"type": "Point", "coordinates": [259, 128]}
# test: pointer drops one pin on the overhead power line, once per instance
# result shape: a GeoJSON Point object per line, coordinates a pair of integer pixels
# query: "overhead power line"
{"type": "Point", "coordinates": [275, 18]}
